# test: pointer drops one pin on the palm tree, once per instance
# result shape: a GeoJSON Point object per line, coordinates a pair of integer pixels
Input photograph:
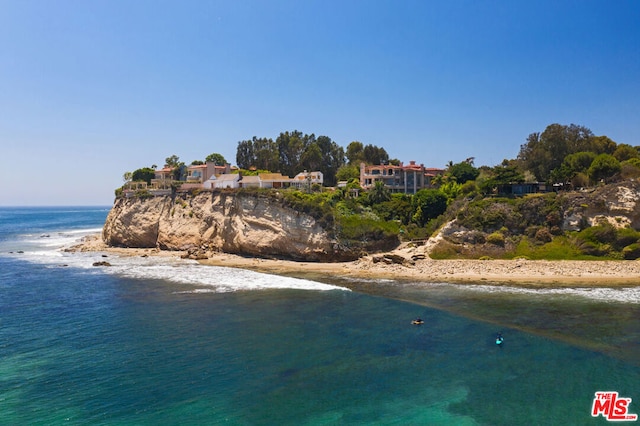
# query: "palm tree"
{"type": "Point", "coordinates": [379, 193]}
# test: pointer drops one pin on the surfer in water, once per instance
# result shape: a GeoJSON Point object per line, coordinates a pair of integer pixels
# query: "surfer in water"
{"type": "Point", "coordinates": [499, 339]}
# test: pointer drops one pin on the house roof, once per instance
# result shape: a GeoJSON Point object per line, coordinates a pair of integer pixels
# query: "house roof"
{"type": "Point", "coordinates": [228, 177]}
{"type": "Point", "coordinates": [273, 176]}
{"type": "Point", "coordinates": [251, 179]}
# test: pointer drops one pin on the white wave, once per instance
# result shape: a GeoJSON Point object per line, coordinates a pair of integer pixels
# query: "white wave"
{"type": "Point", "coordinates": [47, 250]}
{"type": "Point", "coordinates": [220, 279]}
{"type": "Point", "coordinates": [605, 294]}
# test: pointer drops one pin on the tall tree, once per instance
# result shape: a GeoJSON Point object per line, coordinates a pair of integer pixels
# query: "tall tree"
{"type": "Point", "coordinates": [245, 157]}
{"type": "Point", "coordinates": [290, 149]}
{"type": "Point", "coordinates": [332, 159]}
{"type": "Point", "coordinates": [355, 153]}
{"type": "Point", "coordinates": [545, 151]}
{"type": "Point", "coordinates": [172, 161]}
{"type": "Point", "coordinates": [375, 155]}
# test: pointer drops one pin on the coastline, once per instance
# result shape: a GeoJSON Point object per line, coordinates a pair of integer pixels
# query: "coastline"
{"type": "Point", "coordinates": [518, 272]}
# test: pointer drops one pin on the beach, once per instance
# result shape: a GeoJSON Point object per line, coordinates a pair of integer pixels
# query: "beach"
{"type": "Point", "coordinates": [517, 272]}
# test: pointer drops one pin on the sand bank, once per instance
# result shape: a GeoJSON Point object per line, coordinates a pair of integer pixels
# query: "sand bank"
{"type": "Point", "coordinates": [530, 273]}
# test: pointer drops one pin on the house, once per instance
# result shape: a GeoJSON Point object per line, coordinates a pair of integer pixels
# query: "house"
{"type": "Point", "coordinates": [162, 178]}
{"type": "Point", "coordinates": [521, 188]}
{"type": "Point", "coordinates": [199, 173]}
{"type": "Point", "coordinates": [306, 179]}
{"type": "Point", "coordinates": [250, 182]}
{"type": "Point", "coordinates": [430, 174]}
{"type": "Point", "coordinates": [407, 179]}
{"type": "Point", "coordinates": [274, 180]}
{"type": "Point", "coordinates": [230, 180]}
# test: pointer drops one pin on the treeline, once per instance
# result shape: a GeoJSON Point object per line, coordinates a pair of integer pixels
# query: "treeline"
{"type": "Point", "coordinates": [293, 152]}
{"type": "Point", "coordinates": [573, 154]}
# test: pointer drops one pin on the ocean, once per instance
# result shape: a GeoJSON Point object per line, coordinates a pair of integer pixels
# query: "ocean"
{"type": "Point", "coordinates": [155, 341]}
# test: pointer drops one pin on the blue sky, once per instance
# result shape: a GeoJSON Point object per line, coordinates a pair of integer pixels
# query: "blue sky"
{"type": "Point", "coordinates": [92, 89]}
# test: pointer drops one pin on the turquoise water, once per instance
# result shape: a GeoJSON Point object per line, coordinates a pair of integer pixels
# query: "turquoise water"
{"type": "Point", "coordinates": [150, 343]}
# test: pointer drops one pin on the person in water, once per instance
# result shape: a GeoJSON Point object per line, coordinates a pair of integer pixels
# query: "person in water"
{"type": "Point", "coordinates": [499, 339]}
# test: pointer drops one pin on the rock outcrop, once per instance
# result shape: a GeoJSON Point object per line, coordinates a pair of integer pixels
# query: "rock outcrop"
{"type": "Point", "coordinates": [229, 222]}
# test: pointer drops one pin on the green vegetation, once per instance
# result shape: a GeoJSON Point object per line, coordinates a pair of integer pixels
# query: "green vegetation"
{"type": "Point", "coordinates": [491, 221]}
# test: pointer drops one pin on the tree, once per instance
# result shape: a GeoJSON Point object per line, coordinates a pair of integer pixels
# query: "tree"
{"type": "Point", "coordinates": [503, 174]}
{"type": "Point", "coordinates": [332, 159]}
{"type": "Point", "coordinates": [463, 172]}
{"type": "Point", "coordinates": [375, 155]}
{"type": "Point", "coordinates": [428, 204]}
{"type": "Point", "coordinates": [355, 153]}
{"type": "Point", "coordinates": [126, 176]}
{"type": "Point", "coordinates": [378, 193]}
{"type": "Point", "coordinates": [197, 162]}
{"type": "Point", "coordinates": [312, 158]}
{"type": "Point", "coordinates": [245, 158]}
{"type": "Point", "coordinates": [346, 173]}
{"type": "Point", "coordinates": [572, 165]}
{"type": "Point", "coordinates": [261, 153]}
{"type": "Point", "coordinates": [603, 167]}
{"type": "Point", "coordinates": [172, 161]}
{"type": "Point", "coordinates": [290, 149]}
{"type": "Point", "coordinates": [144, 174]}
{"type": "Point", "coordinates": [625, 152]}
{"type": "Point", "coordinates": [397, 208]}
{"type": "Point", "coordinates": [545, 151]}
{"type": "Point", "coordinates": [216, 158]}
{"type": "Point", "coordinates": [177, 166]}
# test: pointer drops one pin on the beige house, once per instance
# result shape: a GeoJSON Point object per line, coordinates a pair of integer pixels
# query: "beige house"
{"type": "Point", "coordinates": [163, 178]}
{"type": "Point", "coordinates": [200, 173]}
{"type": "Point", "coordinates": [407, 179]}
{"type": "Point", "coordinates": [274, 180]}
{"type": "Point", "coordinates": [250, 182]}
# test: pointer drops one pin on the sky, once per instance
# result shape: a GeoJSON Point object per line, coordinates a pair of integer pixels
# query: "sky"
{"type": "Point", "coordinates": [92, 89]}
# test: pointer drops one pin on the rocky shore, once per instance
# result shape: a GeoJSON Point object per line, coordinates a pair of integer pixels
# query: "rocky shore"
{"type": "Point", "coordinates": [411, 263]}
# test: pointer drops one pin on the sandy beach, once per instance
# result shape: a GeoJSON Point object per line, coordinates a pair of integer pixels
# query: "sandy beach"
{"type": "Point", "coordinates": [518, 272]}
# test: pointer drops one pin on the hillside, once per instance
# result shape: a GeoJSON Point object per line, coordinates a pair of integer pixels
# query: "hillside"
{"type": "Point", "coordinates": [601, 222]}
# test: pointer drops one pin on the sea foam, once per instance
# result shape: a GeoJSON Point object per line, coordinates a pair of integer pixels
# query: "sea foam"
{"type": "Point", "coordinates": [604, 294]}
{"type": "Point", "coordinates": [46, 249]}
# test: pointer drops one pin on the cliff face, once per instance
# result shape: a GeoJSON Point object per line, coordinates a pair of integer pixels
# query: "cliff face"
{"type": "Point", "coordinates": [228, 222]}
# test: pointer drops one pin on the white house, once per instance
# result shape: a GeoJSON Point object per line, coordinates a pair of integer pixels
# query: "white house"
{"type": "Point", "coordinates": [231, 180]}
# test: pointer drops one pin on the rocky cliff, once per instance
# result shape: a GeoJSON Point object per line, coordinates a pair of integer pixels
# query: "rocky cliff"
{"type": "Point", "coordinates": [230, 222]}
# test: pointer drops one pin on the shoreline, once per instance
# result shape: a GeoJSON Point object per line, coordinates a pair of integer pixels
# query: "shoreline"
{"type": "Point", "coordinates": [517, 272]}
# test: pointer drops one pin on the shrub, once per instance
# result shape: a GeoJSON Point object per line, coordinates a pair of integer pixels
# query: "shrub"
{"type": "Point", "coordinates": [543, 235]}
{"type": "Point", "coordinates": [496, 238]}
{"type": "Point", "coordinates": [631, 252]}
{"type": "Point", "coordinates": [626, 237]}
{"type": "Point", "coordinates": [143, 194]}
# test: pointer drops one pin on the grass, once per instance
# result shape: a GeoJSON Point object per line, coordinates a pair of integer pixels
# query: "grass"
{"type": "Point", "coordinates": [558, 249]}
